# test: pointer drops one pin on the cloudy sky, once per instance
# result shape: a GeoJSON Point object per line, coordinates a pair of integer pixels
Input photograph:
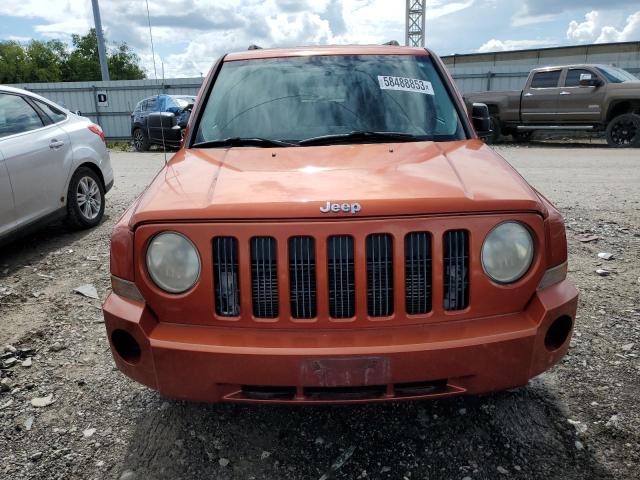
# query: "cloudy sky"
{"type": "Point", "coordinates": [190, 34]}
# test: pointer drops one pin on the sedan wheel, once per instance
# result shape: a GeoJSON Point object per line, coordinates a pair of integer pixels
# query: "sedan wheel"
{"type": "Point", "coordinates": [85, 200]}
{"type": "Point", "coordinates": [89, 198]}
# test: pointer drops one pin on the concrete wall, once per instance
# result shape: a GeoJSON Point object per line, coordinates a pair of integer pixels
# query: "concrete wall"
{"type": "Point", "coordinates": [472, 72]}
{"type": "Point", "coordinates": [509, 70]}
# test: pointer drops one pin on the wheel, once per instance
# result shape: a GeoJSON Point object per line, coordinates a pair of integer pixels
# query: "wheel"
{"type": "Point", "coordinates": [521, 137]}
{"type": "Point", "coordinates": [85, 199]}
{"type": "Point", "coordinates": [624, 131]}
{"type": "Point", "coordinates": [496, 129]}
{"type": "Point", "coordinates": [140, 140]}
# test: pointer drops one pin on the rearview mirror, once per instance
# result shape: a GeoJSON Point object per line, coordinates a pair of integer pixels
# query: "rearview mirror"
{"type": "Point", "coordinates": [481, 120]}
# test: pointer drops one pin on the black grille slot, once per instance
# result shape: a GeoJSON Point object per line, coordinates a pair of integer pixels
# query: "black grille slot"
{"type": "Point", "coordinates": [417, 271]}
{"type": "Point", "coordinates": [379, 275]}
{"type": "Point", "coordinates": [225, 271]}
{"type": "Point", "coordinates": [456, 270]}
{"type": "Point", "coordinates": [302, 277]}
{"type": "Point", "coordinates": [264, 277]}
{"type": "Point", "coordinates": [341, 276]}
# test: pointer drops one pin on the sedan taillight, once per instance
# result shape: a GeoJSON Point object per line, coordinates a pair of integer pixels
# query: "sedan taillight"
{"type": "Point", "coordinates": [98, 131]}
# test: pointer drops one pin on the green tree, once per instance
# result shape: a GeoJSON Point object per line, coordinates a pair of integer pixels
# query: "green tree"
{"type": "Point", "coordinates": [124, 64]}
{"type": "Point", "coordinates": [84, 62]}
{"type": "Point", "coordinates": [46, 60]}
{"type": "Point", "coordinates": [52, 61]}
{"type": "Point", "coordinates": [14, 63]}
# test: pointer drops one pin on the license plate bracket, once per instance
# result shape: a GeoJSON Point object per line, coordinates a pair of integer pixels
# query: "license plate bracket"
{"type": "Point", "coordinates": [345, 372]}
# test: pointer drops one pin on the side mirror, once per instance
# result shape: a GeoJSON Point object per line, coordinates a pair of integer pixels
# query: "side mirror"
{"type": "Point", "coordinates": [78, 112]}
{"type": "Point", "coordinates": [188, 108]}
{"type": "Point", "coordinates": [481, 120]}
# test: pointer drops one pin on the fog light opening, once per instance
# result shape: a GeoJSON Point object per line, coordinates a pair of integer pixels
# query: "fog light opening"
{"type": "Point", "coordinates": [558, 333]}
{"type": "Point", "coordinates": [126, 346]}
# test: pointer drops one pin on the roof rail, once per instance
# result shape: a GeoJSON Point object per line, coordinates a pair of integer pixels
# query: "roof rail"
{"type": "Point", "coordinates": [393, 43]}
{"type": "Point", "coordinates": [254, 47]}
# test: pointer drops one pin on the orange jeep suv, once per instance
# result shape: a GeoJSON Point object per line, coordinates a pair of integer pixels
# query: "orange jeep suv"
{"type": "Point", "coordinates": [333, 230]}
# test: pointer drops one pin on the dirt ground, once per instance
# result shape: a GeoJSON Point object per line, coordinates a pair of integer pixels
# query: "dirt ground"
{"type": "Point", "coordinates": [580, 420]}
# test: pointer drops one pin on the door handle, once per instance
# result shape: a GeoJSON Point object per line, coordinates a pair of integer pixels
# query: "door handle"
{"type": "Point", "coordinates": [565, 93]}
{"type": "Point", "coordinates": [55, 144]}
{"type": "Point", "coordinates": [528, 94]}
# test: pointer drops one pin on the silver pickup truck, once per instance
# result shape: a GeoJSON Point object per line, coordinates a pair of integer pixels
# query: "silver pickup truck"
{"type": "Point", "coordinates": [596, 98]}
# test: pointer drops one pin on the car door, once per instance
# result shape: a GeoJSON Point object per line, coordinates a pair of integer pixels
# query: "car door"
{"type": "Point", "coordinates": [34, 149]}
{"type": "Point", "coordinates": [540, 98]}
{"type": "Point", "coordinates": [580, 104]}
{"type": "Point", "coordinates": [7, 213]}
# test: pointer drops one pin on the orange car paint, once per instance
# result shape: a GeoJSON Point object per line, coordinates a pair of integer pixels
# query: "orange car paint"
{"type": "Point", "coordinates": [185, 350]}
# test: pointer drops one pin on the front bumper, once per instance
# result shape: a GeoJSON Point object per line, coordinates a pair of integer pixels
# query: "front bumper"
{"type": "Point", "coordinates": [210, 364]}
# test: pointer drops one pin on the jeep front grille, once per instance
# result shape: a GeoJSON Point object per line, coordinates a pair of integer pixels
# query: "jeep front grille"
{"type": "Point", "coordinates": [264, 277]}
{"type": "Point", "coordinates": [379, 275]}
{"type": "Point", "coordinates": [341, 277]}
{"type": "Point", "coordinates": [417, 272]}
{"type": "Point", "coordinates": [456, 270]}
{"type": "Point", "coordinates": [225, 271]}
{"type": "Point", "coordinates": [302, 277]}
{"type": "Point", "coordinates": [341, 266]}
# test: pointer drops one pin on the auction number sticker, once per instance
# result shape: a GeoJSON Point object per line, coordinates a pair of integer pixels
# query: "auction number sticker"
{"type": "Point", "coordinates": [405, 84]}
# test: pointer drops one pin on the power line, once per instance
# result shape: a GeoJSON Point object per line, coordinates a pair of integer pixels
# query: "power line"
{"type": "Point", "coordinates": [153, 54]}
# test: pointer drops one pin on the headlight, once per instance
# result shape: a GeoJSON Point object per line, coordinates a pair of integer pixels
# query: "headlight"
{"type": "Point", "coordinates": [507, 252]}
{"type": "Point", "coordinates": [173, 262]}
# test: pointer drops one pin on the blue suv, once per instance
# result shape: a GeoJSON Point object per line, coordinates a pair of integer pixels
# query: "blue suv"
{"type": "Point", "coordinates": [160, 120]}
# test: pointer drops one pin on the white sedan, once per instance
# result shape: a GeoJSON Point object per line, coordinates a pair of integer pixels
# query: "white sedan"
{"type": "Point", "coordinates": [53, 164]}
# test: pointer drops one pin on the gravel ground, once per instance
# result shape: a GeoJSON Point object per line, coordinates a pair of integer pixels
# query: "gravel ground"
{"type": "Point", "coordinates": [580, 420]}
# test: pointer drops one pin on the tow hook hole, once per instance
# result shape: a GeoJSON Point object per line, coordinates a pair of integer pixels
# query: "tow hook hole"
{"type": "Point", "coordinates": [558, 333]}
{"type": "Point", "coordinates": [126, 346]}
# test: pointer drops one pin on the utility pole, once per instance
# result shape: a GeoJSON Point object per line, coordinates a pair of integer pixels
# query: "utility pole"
{"type": "Point", "coordinates": [415, 22]}
{"type": "Point", "coordinates": [102, 52]}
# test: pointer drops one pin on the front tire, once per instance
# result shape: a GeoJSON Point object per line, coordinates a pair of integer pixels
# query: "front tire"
{"type": "Point", "coordinates": [85, 199]}
{"type": "Point", "coordinates": [140, 140]}
{"type": "Point", "coordinates": [624, 131]}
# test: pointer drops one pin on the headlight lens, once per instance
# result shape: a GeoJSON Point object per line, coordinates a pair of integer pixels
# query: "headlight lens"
{"type": "Point", "coordinates": [173, 262]}
{"type": "Point", "coordinates": [507, 252]}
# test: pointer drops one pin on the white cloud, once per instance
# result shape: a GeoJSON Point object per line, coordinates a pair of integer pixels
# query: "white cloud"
{"type": "Point", "coordinates": [585, 31]}
{"type": "Point", "coordinates": [594, 30]}
{"type": "Point", "coordinates": [495, 45]}
{"type": "Point", "coordinates": [631, 31]}
{"type": "Point", "coordinates": [522, 19]}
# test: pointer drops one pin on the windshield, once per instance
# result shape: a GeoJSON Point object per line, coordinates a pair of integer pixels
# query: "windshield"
{"type": "Point", "coordinates": [184, 101]}
{"type": "Point", "coordinates": [617, 75]}
{"type": "Point", "coordinates": [296, 99]}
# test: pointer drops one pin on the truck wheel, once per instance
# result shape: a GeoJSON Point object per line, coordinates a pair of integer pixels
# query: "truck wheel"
{"type": "Point", "coordinates": [140, 140]}
{"type": "Point", "coordinates": [521, 137]}
{"type": "Point", "coordinates": [496, 128]}
{"type": "Point", "coordinates": [624, 131]}
{"type": "Point", "coordinates": [85, 199]}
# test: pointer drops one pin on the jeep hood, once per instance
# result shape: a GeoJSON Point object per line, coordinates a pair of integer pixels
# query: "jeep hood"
{"type": "Point", "coordinates": [416, 178]}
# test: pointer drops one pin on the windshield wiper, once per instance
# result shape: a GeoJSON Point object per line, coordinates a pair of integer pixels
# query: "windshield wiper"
{"type": "Point", "coordinates": [360, 135]}
{"type": "Point", "coordinates": [244, 142]}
